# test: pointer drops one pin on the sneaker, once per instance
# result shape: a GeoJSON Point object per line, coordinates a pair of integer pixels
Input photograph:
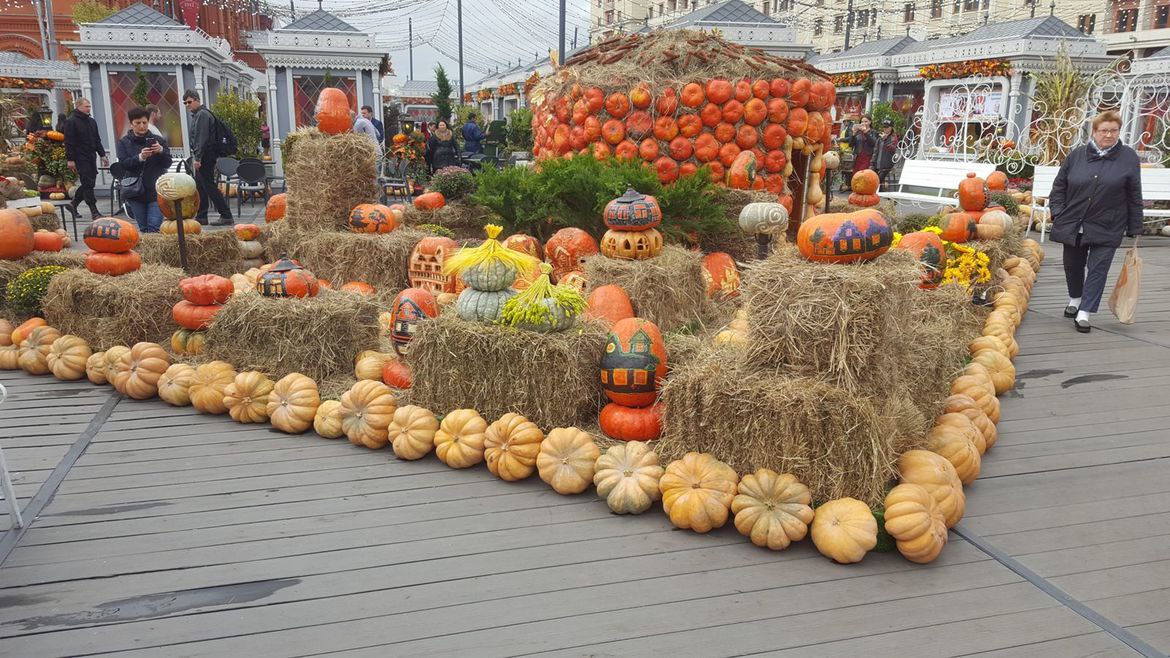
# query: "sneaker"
{"type": "Point", "coordinates": [1070, 311]}
{"type": "Point", "coordinates": [223, 221]}
{"type": "Point", "coordinates": [1083, 326]}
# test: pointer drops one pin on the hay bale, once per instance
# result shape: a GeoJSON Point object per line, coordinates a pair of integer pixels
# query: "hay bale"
{"type": "Point", "coordinates": [316, 336]}
{"type": "Point", "coordinates": [741, 246]}
{"type": "Point", "coordinates": [933, 344]}
{"type": "Point", "coordinates": [837, 442]}
{"type": "Point", "coordinates": [667, 290]}
{"type": "Point", "coordinates": [48, 222]}
{"type": "Point", "coordinates": [551, 379]}
{"type": "Point", "coordinates": [382, 261]}
{"type": "Point", "coordinates": [327, 176]}
{"type": "Point", "coordinates": [843, 322]}
{"type": "Point", "coordinates": [10, 269]}
{"type": "Point", "coordinates": [115, 310]}
{"type": "Point", "coordinates": [465, 220]}
{"type": "Point", "coordinates": [209, 252]}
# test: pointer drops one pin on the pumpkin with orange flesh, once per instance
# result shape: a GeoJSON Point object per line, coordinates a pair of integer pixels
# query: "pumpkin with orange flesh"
{"type": "Point", "coordinates": [412, 432]}
{"type": "Point", "coordinates": [913, 519]}
{"type": "Point", "coordinates": [566, 460]}
{"type": "Point", "coordinates": [293, 403]}
{"type": "Point", "coordinates": [459, 441]}
{"type": "Point", "coordinates": [772, 509]}
{"type": "Point", "coordinates": [333, 112]}
{"type": "Point", "coordinates": [937, 475]}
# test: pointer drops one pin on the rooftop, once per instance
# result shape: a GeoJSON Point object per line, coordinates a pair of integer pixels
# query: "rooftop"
{"type": "Point", "coordinates": [1042, 27]}
{"type": "Point", "coordinates": [731, 11]}
{"type": "Point", "coordinates": [868, 49]}
{"type": "Point", "coordinates": [319, 21]}
{"type": "Point", "coordinates": [140, 14]}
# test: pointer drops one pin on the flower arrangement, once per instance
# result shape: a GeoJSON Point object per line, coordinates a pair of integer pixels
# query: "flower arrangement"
{"type": "Point", "coordinates": [483, 94]}
{"type": "Point", "coordinates": [851, 79]}
{"type": "Point", "coordinates": [966, 266]}
{"type": "Point", "coordinates": [48, 156]}
{"type": "Point", "coordinates": [453, 183]}
{"type": "Point", "coordinates": [984, 68]}
{"type": "Point", "coordinates": [26, 291]}
{"type": "Point", "coordinates": [467, 97]}
{"type": "Point", "coordinates": [506, 90]}
{"type": "Point", "coordinates": [8, 82]}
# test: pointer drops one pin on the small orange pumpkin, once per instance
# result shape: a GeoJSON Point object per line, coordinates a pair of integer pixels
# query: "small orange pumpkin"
{"type": "Point", "coordinates": [396, 373]}
{"type": "Point", "coordinates": [47, 241]}
{"type": "Point", "coordinates": [358, 287]}
{"type": "Point", "coordinates": [276, 208]}
{"type": "Point", "coordinates": [865, 182]}
{"type": "Point", "coordinates": [631, 423]}
{"type": "Point", "coordinates": [973, 192]}
{"type": "Point", "coordinates": [111, 264]}
{"type": "Point", "coordinates": [111, 235]}
{"type": "Point", "coordinates": [372, 218]}
{"type": "Point", "coordinates": [610, 303]}
{"type": "Point", "coordinates": [959, 227]}
{"type": "Point", "coordinates": [997, 180]}
{"type": "Point", "coordinates": [430, 201]}
{"type": "Point", "coordinates": [247, 231]}
{"type": "Point", "coordinates": [194, 316]}
{"type": "Point", "coordinates": [206, 289]}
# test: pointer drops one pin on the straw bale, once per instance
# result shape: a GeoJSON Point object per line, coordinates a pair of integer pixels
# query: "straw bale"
{"type": "Point", "coordinates": [115, 310]}
{"type": "Point", "coordinates": [667, 290]}
{"type": "Point", "coordinates": [551, 379]}
{"type": "Point", "coordinates": [837, 442]}
{"type": "Point", "coordinates": [465, 220]}
{"type": "Point", "coordinates": [843, 322]}
{"type": "Point", "coordinates": [933, 343]}
{"type": "Point", "coordinates": [48, 222]}
{"type": "Point", "coordinates": [382, 261]}
{"type": "Point", "coordinates": [327, 176]}
{"type": "Point", "coordinates": [209, 252]}
{"type": "Point", "coordinates": [316, 336]}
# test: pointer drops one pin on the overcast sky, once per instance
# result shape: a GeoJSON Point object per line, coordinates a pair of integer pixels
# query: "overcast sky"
{"type": "Point", "coordinates": [495, 32]}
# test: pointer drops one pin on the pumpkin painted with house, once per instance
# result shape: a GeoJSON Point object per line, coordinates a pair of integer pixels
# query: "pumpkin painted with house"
{"type": "Point", "coordinates": [973, 192]}
{"type": "Point", "coordinates": [631, 245]}
{"type": "Point", "coordinates": [410, 306]}
{"type": "Point", "coordinates": [426, 264]}
{"type": "Point", "coordinates": [372, 218]}
{"type": "Point", "coordinates": [111, 235]}
{"type": "Point", "coordinates": [845, 237]}
{"type": "Point", "coordinates": [633, 364]}
{"type": "Point", "coordinates": [928, 249]}
{"type": "Point", "coordinates": [721, 275]}
{"type": "Point", "coordinates": [633, 211]}
{"type": "Point", "coordinates": [286, 278]}
{"type": "Point", "coordinates": [567, 249]}
{"type": "Point", "coordinates": [960, 226]}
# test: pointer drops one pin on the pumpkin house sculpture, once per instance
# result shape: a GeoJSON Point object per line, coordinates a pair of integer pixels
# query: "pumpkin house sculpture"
{"type": "Point", "coordinates": [426, 264]}
{"type": "Point", "coordinates": [631, 219]}
{"type": "Point", "coordinates": [633, 367]}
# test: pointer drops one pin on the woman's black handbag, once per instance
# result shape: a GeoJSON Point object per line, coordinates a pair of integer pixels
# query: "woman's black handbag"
{"type": "Point", "coordinates": [132, 187]}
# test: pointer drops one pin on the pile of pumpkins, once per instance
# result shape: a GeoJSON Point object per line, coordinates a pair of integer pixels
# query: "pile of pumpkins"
{"type": "Point", "coordinates": [18, 239]}
{"type": "Point", "coordinates": [203, 297]}
{"type": "Point", "coordinates": [112, 241]}
{"type": "Point", "coordinates": [251, 251]}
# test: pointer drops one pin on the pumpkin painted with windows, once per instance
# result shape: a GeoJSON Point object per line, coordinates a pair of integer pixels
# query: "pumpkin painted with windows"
{"type": "Point", "coordinates": [721, 275]}
{"type": "Point", "coordinates": [632, 211]}
{"type": "Point", "coordinates": [372, 218]}
{"type": "Point", "coordinates": [525, 244]}
{"type": "Point", "coordinates": [633, 363]}
{"type": "Point", "coordinates": [928, 248]}
{"type": "Point", "coordinates": [426, 264]}
{"type": "Point", "coordinates": [845, 237]}
{"type": "Point", "coordinates": [410, 306]}
{"type": "Point", "coordinates": [567, 250]}
{"type": "Point", "coordinates": [286, 278]}
{"type": "Point", "coordinates": [631, 245]}
{"type": "Point", "coordinates": [111, 235]}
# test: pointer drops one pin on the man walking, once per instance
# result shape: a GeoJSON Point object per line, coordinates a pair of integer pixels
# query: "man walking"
{"type": "Point", "coordinates": [83, 145]}
{"type": "Point", "coordinates": [363, 126]}
{"type": "Point", "coordinates": [203, 136]}
{"type": "Point", "coordinates": [368, 114]}
{"type": "Point", "coordinates": [155, 118]}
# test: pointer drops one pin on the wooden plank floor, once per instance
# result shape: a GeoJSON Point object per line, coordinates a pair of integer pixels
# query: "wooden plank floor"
{"type": "Point", "coordinates": [181, 534]}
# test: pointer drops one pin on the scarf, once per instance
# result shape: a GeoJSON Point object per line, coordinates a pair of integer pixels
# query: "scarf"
{"type": "Point", "coordinates": [1100, 152]}
{"type": "Point", "coordinates": [443, 135]}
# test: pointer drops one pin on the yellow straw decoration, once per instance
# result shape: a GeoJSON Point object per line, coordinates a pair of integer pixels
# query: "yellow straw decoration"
{"type": "Point", "coordinates": [488, 253]}
{"type": "Point", "coordinates": [528, 308]}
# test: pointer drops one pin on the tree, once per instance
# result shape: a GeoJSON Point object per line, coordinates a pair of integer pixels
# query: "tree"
{"type": "Point", "coordinates": [442, 97]}
{"type": "Point", "coordinates": [91, 11]}
{"type": "Point", "coordinates": [243, 116]}
{"type": "Point", "coordinates": [140, 88]}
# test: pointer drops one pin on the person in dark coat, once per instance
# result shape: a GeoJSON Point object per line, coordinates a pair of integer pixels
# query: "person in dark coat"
{"type": "Point", "coordinates": [142, 154]}
{"type": "Point", "coordinates": [201, 132]}
{"type": "Point", "coordinates": [1096, 198]}
{"type": "Point", "coordinates": [861, 141]}
{"type": "Point", "coordinates": [472, 135]}
{"type": "Point", "coordinates": [368, 115]}
{"type": "Point", "coordinates": [441, 148]}
{"type": "Point", "coordinates": [885, 146]}
{"type": "Point", "coordinates": [83, 145]}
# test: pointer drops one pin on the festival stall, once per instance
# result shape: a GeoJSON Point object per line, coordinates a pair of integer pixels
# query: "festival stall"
{"type": "Point", "coordinates": [38, 83]}
{"type": "Point", "coordinates": [864, 75]}
{"type": "Point", "coordinates": [843, 388]}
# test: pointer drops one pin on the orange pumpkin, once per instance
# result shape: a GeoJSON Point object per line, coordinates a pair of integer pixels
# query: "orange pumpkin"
{"type": "Point", "coordinates": [111, 235]}
{"type": "Point", "coordinates": [567, 250]}
{"type": "Point", "coordinates": [721, 275]}
{"type": "Point", "coordinates": [333, 112]}
{"type": "Point", "coordinates": [410, 306]}
{"type": "Point", "coordinates": [372, 218]}
{"type": "Point", "coordinates": [396, 374]}
{"type": "Point", "coordinates": [727, 154]}
{"type": "Point", "coordinates": [711, 114]}
{"type": "Point", "coordinates": [286, 278]}
{"type": "Point", "coordinates": [358, 287]}
{"type": "Point", "coordinates": [610, 303]}
{"type": "Point", "coordinates": [689, 125]}
{"type": "Point", "coordinates": [800, 92]}
{"type": "Point", "coordinates": [797, 121]}
{"type": "Point", "coordinates": [16, 235]}
{"type": "Point", "coordinates": [594, 99]}
{"type": "Point", "coordinates": [706, 147]}
{"type": "Point", "coordinates": [747, 137]}
{"type": "Point", "coordinates": [648, 149]}
{"type": "Point", "coordinates": [681, 148]}
{"type": "Point", "coordinates": [959, 227]}
{"type": "Point", "coordinates": [667, 170]}
{"type": "Point", "coordinates": [525, 244]}
{"type": "Point", "coordinates": [755, 111]}
{"type": "Point", "coordinates": [719, 91]}
{"type": "Point", "coordinates": [865, 182]}
{"type": "Point", "coordinates": [633, 364]}
{"type": "Point", "coordinates": [100, 262]}
{"type": "Point", "coordinates": [997, 180]}
{"type": "Point", "coordinates": [613, 131]}
{"type": "Point", "coordinates": [276, 208]}
{"type": "Point", "coordinates": [777, 111]}
{"type": "Point", "coordinates": [741, 174]}
{"type": "Point", "coordinates": [665, 128]}
{"type": "Point", "coordinates": [667, 102]}
{"type": "Point", "coordinates": [430, 201]}
{"type": "Point", "coordinates": [845, 237]}
{"type": "Point", "coordinates": [864, 200]}
{"type": "Point", "coordinates": [692, 94]}
{"type": "Point", "coordinates": [47, 241]}
{"type": "Point", "coordinates": [206, 289]}
{"type": "Point", "coordinates": [928, 249]}
{"type": "Point", "coordinates": [631, 423]}
{"type": "Point", "coordinates": [247, 231]}
{"type": "Point", "coordinates": [195, 317]}
{"type": "Point", "coordinates": [20, 333]}
{"type": "Point", "coordinates": [617, 105]}
{"type": "Point", "coordinates": [639, 124]}
{"type": "Point", "coordinates": [732, 111]}
{"type": "Point", "coordinates": [973, 192]}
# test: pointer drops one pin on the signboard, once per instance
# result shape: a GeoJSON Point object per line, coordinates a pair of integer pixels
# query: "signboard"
{"type": "Point", "coordinates": [964, 104]}
{"type": "Point", "coordinates": [190, 10]}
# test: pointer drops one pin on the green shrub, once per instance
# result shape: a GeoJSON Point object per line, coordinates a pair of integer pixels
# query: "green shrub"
{"type": "Point", "coordinates": [1008, 202]}
{"type": "Point", "coordinates": [435, 229]}
{"type": "Point", "coordinates": [520, 130]}
{"type": "Point", "coordinates": [243, 116]}
{"type": "Point", "coordinates": [453, 182]}
{"type": "Point", "coordinates": [28, 288]}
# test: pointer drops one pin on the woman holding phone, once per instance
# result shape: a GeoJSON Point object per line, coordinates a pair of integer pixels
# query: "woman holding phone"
{"type": "Point", "coordinates": [142, 155]}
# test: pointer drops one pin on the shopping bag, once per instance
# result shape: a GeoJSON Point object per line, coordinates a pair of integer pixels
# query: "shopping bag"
{"type": "Point", "coordinates": [1123, 300]}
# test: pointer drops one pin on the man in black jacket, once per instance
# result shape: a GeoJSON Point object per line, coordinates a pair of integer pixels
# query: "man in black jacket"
{"type": "Point", "coordinates": [83, 144]}
{"type": "Point", "coordinates": [204, 153]}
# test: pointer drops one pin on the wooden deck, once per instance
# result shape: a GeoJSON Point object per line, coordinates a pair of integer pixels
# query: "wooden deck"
{"type": "Point", "coordinates": [172, 533]}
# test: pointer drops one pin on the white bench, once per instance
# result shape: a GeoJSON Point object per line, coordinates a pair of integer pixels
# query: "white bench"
{"type": "Point", "coordinates": [930, 184]}
{"type": "Point", "coordinates": [1155, 187]}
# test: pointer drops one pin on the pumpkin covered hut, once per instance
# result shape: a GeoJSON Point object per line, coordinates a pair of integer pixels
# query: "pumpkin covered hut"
{"type": "Point", "coordinates": [682, 100]}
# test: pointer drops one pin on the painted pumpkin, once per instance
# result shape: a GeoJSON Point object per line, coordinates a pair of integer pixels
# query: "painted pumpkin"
{"type": "Point", "coordinates": [293, 403]}
{"type": "Point", "coordinates": [525, 244]}
{"type": "Point", "coordinates": [772, 509]}
{"type": "Point", "coordinates": [412, 432]}
{"type": "Point", "coordinates": [459, 442]}
{"type": "Point", "coordinates": [430, 201]}
{"type": "Point", "coordinates": [913, 519]}
{"type": "Point", "coordinates": [177, 188]}
{"type": "Point", "coordinates": [610, 303]}
{"type": "Point", "coordinates": [206, 289]}
{"type": "Point", "coordinates": [410, 306]}
{"type": "Point", "coordinates": [864, 182]}
{"type": "Point", "coordinates": [286, 278]}
{"type": "Point", "coordinates": [566, 460]}
{"type": "Point", "coordinates": [845, 237]}
{"type": "Point", "coordinates": [633, 211]}
{"type": "Point", "coordinates": [765, 218]}
{"type": "Point", "coordinates": [332, 112]}
{"type": "Point", "coordinates": [100, 262]}
{"type": "Point", "coordinates": [482, 306]}
{"type": "Point", "coordinates": [741, 174]}
{"type": "Point", "coordinates": [973, 193]}
{"type": "Point", "coordinates": [697, 491]}
{"type": "Point", "coordinates": [958, 227]}
{"type": "Point", "coordinates": [576, 280]}
{"type": "Point", "coordinates": [111, 235]}
{"type": "Point", "coordinates": [721, 275]}
{"type": "Point", "coordinates": [511, 445]}
{"type": "Point", "coordinates": [372, 218]}
{"type": "Point", "coordinates": [426, 264]}
{"type": "Point", "coordinates": [633, 364]}
{"type": "Point", "coordinates": [928, 248]}
{"type": "Point", "coordinates": [276, 208]}
{"type": "Point", "coordinates": [997, 181]}
{"type": "Point", "coordinates": [567, 249]}
{"type": "Point", "coordinates": [844, 530]}
{"type": "Point", "coordinates": [631, 245]}
{"type": "Point", "coordinates": [631, 423]}
{"type": "Point", "coordinates": [627, 477]}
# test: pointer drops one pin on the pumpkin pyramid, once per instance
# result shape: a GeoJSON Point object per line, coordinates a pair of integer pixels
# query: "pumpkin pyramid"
{"type": "Point", "coordinates": [489, 271]}
{"type": "Point", "coordinates": [631, 219]}
{"type": "Point", "coordinates": [112, 241]}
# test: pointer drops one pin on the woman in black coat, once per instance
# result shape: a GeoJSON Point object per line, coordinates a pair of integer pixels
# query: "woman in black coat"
{"type": "Point", "coordinates": [142, 154]}
{"type": "Point", "coordinates": [1096, 198]}
{"type": "Point", "coordinates": [441, 148]}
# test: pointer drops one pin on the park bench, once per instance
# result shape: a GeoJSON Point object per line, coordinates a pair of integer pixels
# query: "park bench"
{"type": "Point", "coordinates": [928, 184]}
{"type": "Point", "coordinates": [1155, 187]}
